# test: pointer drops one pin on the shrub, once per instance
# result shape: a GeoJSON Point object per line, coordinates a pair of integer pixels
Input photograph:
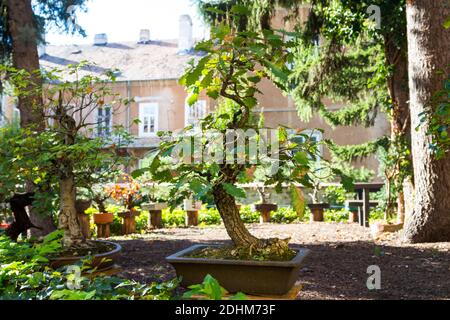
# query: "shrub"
{"type": "Point", "coordinates": [248, 215]}
{"type": "Point", "coordinates": [285, 215]}
{"type": "Point", "coordinates": [336, 215]}
{"type": "Point", "coordinates": [176, 218]}
{"type": "Point", "coordinates": [209, 216]}
{"type": "Point", "coordinates": [25, 275]}
{"type": "Point", "coordinates": [335, 195]}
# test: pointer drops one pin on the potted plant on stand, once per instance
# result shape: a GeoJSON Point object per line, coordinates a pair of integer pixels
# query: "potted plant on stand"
{"type": "Point", "coordinates": [230, 72]}
{"type": "Point", "coordinates": [154, 203]}
{"type": "Point", "coordinates": [192, 207]}
{"type": "Point", "coordinates": [265, 207]}
{"type": "Point", "coordinates": [320, 173]}
{"type": "Point", "coordinates": [128, 194]}
{"type": "Point", "coordinates": [102, 218]}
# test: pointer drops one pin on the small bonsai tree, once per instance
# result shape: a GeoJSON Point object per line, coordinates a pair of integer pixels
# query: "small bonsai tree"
{"type": "Point", "coordinates": [77, 149]}
{"type": "Point", "coordinates": [234, 64]}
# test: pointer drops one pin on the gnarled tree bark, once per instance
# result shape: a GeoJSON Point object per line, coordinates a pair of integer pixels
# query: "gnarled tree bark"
{"type": "Point", "coordinates": [428, 50]}
{"type": "Point", "coordinates": [226, 205]}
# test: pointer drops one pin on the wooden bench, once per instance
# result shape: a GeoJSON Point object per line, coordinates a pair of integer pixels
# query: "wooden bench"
{"type": "Point", "coordinates": [357, 215]}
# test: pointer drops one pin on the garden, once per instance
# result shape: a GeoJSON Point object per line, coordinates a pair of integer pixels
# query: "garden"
{"type": "Point", "coordinates": [228, 208]}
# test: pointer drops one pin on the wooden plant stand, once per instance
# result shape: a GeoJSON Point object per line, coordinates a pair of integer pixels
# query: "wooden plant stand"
{"type": "Point", "coordinates": [129, 221]}
{"type": "Point", "coordinates": [265, 209]}
{"type": "Point", "coordinates": [191, 218]}
{"type": "Point", "coordinates": [103, 221]}
{"type": "Point", "coordinates": [155, 219]}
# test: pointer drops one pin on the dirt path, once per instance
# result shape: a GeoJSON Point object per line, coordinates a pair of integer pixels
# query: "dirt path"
{"type": "Point", "coordinates": [336, 268]}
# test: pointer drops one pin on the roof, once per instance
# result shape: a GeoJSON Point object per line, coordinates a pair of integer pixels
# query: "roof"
{"type": "Point", "coordinates": [157, 60]}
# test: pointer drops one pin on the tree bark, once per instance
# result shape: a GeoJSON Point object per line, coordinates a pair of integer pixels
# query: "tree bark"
{"type": "Point", "coordinates": [401, 122]}
{"type": "Point", "coordinates": [428, 50]}
{"type": "Point", "coordinates": [24, 34]}
{"type": "Point", "coordinates": [68, 220]}
{"type": "Point", "coordinates": [234, 225]}
{"type": "Point", "coordinates": [25, 37]}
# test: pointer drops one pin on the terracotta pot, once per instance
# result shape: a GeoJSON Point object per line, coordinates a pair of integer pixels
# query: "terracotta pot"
{"type": "Point", "coordinates": [85, 224]}
{"type": "Point", "coordinates": [251, 277]}
{"type": "Point", "coordinates": [265, 209]}
{"type": "Point", "coordinates": [103, 220]}
{"type": "Point", "coordinates": [4, 226]}
{"type": "Point", "coordinates": [353, 217]}
{"type": "Point", "coordinates": [103, 261]}
{"type": "Point", "coordinates": [317, 210]}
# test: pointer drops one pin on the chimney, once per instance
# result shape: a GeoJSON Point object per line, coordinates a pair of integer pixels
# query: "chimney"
{"type": "Point", "coordinates": [100, 39]}
{"type": "Point", "coordinates": [185, 41]}
{"type": "Point", "coordinates": [144, 36]}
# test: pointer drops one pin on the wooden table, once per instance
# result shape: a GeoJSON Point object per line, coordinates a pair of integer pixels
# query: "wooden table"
{"type": "Point", "coordinates": [363, 190]}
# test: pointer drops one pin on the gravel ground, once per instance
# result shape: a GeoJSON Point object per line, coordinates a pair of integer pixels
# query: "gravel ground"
{"type": "Point", "coordinates": [335, 269]}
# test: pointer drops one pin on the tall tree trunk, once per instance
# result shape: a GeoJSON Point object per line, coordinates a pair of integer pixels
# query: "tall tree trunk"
{"type": "Point", "coordinates": [428, 50]}
{"type": "Point", "coordinates": [24, 35]}
{"type": "Point", "coordinates": [68, 214]}
{"type": "Point", "coordinates": [401, 122]}
{"type": "Point", "coordinates": [234, 225]}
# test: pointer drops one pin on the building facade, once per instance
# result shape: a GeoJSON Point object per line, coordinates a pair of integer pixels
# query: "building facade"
{"type": "Point", "coordinates": [148, 73]}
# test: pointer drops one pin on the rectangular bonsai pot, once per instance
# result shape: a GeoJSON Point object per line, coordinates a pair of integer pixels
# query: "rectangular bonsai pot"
{"type": "Point", "coordinates": [251, 277]}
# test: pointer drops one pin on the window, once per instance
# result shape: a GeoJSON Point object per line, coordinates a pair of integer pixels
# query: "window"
{"type": "Point", "coordinates": [314, 135]}
{"type": "Point", "coordinates": [148, 116]}
{"type": "Point", "coordinates": [195, 112]}
{"type": "Point", "coordinates": [104, 122]}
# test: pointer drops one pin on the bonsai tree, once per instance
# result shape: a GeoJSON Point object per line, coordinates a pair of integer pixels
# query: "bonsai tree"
{"type": "Point", "coordinates": [234, 64]}
{"type": "Point", "coordinates": [77, 149]}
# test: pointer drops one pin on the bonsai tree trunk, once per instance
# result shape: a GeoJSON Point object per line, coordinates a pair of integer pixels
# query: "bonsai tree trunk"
{"type": "Point", "coordinates": [21, 222]}
{"type": "Point", "coordinates": [428, 43]}
{"type": "Point", "coordinates": [234, 225]}
{"type": "Point", "coordinates": [68, 220]}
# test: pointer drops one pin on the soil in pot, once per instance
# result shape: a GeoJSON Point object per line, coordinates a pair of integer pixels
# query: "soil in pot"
{"type": "Point", "coordinates": [104, 254]}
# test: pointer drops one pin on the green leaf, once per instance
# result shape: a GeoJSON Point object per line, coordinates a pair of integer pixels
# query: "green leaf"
{"type": "Point", "coordinates": [234, 191]}
{"type": "Point", "coordinates": [192, 99]}
{"type": "Point", "coordinates": [447, 24]}
{"type": "Point", "coordinates": [301, 158]}
{"type": "Point", "coordinates": [240, 9]}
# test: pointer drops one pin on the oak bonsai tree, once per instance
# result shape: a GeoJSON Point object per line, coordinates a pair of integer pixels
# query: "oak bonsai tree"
{"type": "Point", "coordinates": [215, 155]}
{"type": "Point", "coordinates": [79, 148]}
